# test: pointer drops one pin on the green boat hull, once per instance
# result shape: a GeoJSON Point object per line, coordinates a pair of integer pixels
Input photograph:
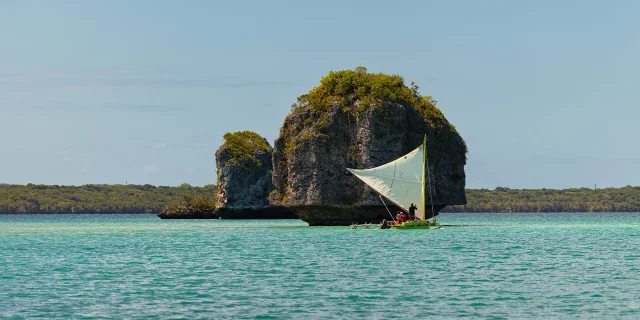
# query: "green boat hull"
{"type": "Point", "coordinates": [416, 225]}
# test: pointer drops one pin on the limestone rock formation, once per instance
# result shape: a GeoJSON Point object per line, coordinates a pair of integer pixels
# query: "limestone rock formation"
{"type": "Point", "coordinates": [244, 171]}
{"type": "Point", "coordinates": [361, 120]}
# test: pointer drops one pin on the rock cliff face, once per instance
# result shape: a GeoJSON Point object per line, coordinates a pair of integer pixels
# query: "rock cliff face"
{"type": "Point", "coordinates": [360, 120]}
{"type": "Point", "coordinates": [244, 171]}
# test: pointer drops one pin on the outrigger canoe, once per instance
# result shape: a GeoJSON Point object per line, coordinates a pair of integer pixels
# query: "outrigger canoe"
{"type": "Point", "coordinates": [400, 226]}
{"type": "Point", "coordinates": [404, 181]}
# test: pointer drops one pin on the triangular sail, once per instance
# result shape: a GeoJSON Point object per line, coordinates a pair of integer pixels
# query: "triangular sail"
{"type": "Point", "coordinates": [400, 180]}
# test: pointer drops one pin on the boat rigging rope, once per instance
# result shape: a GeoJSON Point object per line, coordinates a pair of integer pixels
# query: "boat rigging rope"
{"type": "Point", "coordinates": [385, 205]}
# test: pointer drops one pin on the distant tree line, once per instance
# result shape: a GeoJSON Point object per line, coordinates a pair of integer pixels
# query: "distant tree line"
{"type": "Point", "coordinates": [95, 198]}
{"type": "Point", "coordinates": [500, 199]}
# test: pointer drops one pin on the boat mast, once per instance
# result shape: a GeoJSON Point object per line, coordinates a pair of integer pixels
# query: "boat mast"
{"type": "Point", "coordinates": [426, 163]}
{"type": "Point", "coordinates": [424, 178]}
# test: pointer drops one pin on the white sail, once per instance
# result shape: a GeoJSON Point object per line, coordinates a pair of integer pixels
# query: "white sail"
{"type": "Point", "coordinates": [400, 180]}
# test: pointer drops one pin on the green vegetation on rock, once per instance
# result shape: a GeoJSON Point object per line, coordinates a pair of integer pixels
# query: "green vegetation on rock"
{"type": "Point", "coordinates": [94, 198]}
{"type": "Point", "coordinates": [346, 87]}
{"type": "Point", "coordinates": [243, 146]}
{"type": "Point", "coordinates": [500, 199]}
{"type": "Point", "coordinates": [357, 91]}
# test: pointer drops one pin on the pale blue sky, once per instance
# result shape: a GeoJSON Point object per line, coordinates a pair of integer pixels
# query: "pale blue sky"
{"type": "Point", "coordinates": [544, 92]}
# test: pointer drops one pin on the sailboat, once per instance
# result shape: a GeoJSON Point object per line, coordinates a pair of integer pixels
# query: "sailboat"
{"type": "Point", "coordinates": [403, 181]}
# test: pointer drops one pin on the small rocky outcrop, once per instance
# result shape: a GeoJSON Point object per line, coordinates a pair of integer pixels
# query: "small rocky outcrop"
{"type": "Point", "coordinates": [361, 120]}
{"type": "Point", "coordinates": [244, 171]}
{"type": "Point", "coordinates": [190, 208]}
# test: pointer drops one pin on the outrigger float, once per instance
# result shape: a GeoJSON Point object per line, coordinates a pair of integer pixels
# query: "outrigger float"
{"type": "Point", "coordinates": [403, 225]}
{"type": "Point", "coordinates": [403, 182]}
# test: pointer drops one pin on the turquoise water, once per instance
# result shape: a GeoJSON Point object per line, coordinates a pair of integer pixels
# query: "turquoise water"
{"type": "Point", "coordinates": [496, 266]}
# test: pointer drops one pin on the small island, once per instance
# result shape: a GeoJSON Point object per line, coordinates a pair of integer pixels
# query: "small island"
{"type": "Point", "coordinates": [244, 174]}
{"type": "Point", "coordinates": [190, 208]}
{"type": "Point", "coordinates": [244, 167]}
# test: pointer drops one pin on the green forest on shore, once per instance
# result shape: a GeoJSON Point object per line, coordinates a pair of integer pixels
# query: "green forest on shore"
{"type": "Point", "coordinates": [626, 199]}
{"type": "Point", "coordinates": [93, 198]}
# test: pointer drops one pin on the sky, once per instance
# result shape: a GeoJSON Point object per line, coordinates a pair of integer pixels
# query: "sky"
{"type": "Point", "coordinates": [545, 93]}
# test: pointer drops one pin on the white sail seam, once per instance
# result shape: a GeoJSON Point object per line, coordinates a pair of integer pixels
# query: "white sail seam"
{"type": "Point", "coordinates": [393, 178]}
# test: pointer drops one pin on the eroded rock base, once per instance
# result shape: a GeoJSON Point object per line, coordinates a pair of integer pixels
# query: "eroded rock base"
{"type": "Point", "coordinates": [271, 212]}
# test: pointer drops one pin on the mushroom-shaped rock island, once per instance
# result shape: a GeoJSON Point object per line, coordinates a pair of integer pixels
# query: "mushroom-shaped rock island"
{"type": "Point", "coordinates": [356, 119]}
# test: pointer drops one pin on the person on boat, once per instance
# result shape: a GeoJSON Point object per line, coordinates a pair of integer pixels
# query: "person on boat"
{"type": "Point", "coordinates": [384, 224]}
{"type": "Point", "coordinates": [403, 217]}
{"type": "Point", "coordinates": [398, 215]}
{"type": "Point", "coordinates": [412, 211]}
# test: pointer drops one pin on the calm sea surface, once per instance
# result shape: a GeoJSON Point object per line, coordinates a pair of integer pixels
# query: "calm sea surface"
{"type": "Point", "coordinates": [572, 265]}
